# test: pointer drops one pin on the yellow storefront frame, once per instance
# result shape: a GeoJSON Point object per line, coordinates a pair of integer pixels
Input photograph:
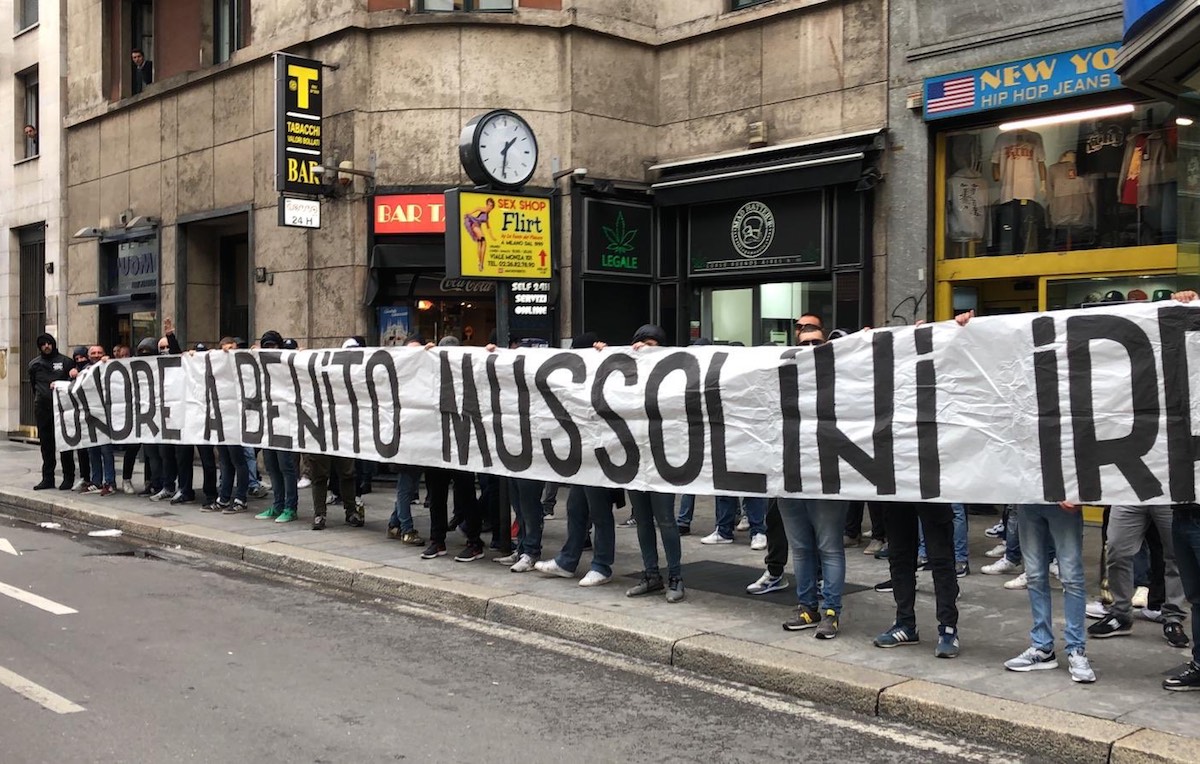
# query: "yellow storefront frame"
{"type": "Point", "coordinates": [1159, 259]}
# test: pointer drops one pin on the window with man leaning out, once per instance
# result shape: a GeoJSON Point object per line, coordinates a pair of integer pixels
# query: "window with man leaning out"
{"type": "Point", "coordinates": [1108, 180]}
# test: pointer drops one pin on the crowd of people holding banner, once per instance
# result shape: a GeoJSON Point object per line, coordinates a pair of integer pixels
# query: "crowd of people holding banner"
{"type": "Point", "coordinates": [1157, 547]}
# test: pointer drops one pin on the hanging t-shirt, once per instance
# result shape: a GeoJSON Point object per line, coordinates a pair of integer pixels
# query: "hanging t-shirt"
{"type": "Point", "coordinates": [1072, 198]}
{"type": "Point", "coordinates": [966, 206]}
{"type": "Point", "coordinates": [1133, 171]}
{"type": "Point", "coordinates": [1101, 146]}
{"type": "Point", "coordinates": [1019, 155]}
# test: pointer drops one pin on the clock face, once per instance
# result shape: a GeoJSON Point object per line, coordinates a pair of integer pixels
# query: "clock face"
{"type": "Point", "coordinates": [507, 149]}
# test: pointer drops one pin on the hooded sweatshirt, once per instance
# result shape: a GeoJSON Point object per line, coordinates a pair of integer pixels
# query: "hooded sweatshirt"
{"type": "Point", "coordinates": [148, 346]}
{"type": "Point", "coordinates": [49, 366]}
{"type": "Point", "coordinates": [649, 332]}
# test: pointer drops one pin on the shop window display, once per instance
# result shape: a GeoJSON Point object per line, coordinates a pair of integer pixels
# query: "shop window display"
{"type": "Point", "coordinates": [1102, 182]}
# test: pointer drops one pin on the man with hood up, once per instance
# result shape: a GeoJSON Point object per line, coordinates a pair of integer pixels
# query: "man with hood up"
{"type": "Point", "coordinates": [49, 366]}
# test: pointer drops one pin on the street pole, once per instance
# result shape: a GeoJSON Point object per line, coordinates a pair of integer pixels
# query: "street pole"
{"type": "Point", "coordinates": [504, 517]}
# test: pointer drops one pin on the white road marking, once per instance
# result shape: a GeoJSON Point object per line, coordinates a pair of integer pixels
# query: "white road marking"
{"type": "Point", "coordinates": [6, 546]}
{"type": "Point", "coordinates": [38, 694]}
{"type": "Point", "coordinates": [29, 598]}
{"type": "Point", "coordinates": [764, 699]}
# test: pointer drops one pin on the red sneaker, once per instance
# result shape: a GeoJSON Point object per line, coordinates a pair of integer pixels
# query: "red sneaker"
{"type": "Point", "coordinates": [106, 489]}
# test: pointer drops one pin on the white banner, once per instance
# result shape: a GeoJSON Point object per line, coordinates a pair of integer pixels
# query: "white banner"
{"type": "Point", "coordinates": [1091, 405]}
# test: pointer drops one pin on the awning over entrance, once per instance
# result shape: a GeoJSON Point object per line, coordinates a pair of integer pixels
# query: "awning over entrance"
{"type": "Point", "coordinates": [788, 167]}
{"type": "Point", "coordinates": [120, 299]}
{"type": "Point", "coordinates": [1163, 59]}
{"type": "Point", "coordinates": [395, 267]}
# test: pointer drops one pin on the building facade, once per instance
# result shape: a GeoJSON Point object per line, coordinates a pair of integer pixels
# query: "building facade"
{"type": "Point", "coordinates": [32, 162]}
{"type": "Point", "coordinates": [1025, 175]}
{"type": "Point", "coordinates": [674, 138]}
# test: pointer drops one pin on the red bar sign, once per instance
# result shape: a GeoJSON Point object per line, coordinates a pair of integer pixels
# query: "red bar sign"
{"type": "Point", "coordinates": [410, 213]}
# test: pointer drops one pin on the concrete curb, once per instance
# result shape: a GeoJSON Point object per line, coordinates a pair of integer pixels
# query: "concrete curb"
{"type": "Point", "coordinates": [853, 688]}
{"type": "Point", "coordinates": [1047, 732]}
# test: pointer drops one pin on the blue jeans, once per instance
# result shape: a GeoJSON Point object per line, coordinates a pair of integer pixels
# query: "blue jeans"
{"type": "Point", "coordinates": [251, 466]}
{"type": "Point", "coordinates": [755, 508]}
{"type": "Point", "coordinates": [814, 531]}
{"type": "Point", "coordinates": [103, 468]}
{"type": "Point", "coordinates": [961, 553]}
{"type": "Point", "coordinates": [281, 466]}
{"type": "Point", "coordinates": [727, 507]}
{"type": "Point", "coordinates": [589, 506]}
{"type": "Point", "coordinates": [406, 493]}
{"type": "Point", "coordinates": [1041, 523]}
{"type": "Point", "coordinates": [687, 508]}
{"type": "Point", "coordinates": [528, 497]}
{"type": "Point", "coordinates": [651, 509]}
{"type": "Point", "coordinates": [1185, 531]}
{"type": "Point", "coordinates": [235, 477]}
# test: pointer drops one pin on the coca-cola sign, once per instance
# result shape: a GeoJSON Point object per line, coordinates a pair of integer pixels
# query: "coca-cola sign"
{"type": "Point", "coordinates": [456, 285]}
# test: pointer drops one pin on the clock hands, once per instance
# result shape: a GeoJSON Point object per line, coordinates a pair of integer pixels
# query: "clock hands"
{"type": "Point", "coordinates": [504, 156]}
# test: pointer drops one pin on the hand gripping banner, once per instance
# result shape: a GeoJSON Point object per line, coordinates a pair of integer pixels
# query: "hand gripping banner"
{"type": "Point", "coordinates": [1097, 405]}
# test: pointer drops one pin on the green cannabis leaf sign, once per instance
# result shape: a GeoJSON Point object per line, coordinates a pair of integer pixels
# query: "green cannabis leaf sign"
{"type": "Point", "coordinates": [620, 239]}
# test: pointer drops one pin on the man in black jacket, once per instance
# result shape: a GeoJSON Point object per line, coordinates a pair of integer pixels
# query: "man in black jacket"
{"type": "Point", "coordinates": [49, 366]}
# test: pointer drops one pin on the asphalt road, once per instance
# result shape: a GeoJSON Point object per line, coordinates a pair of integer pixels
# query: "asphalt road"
{"type": "Point", "coordinates": [181, 658]}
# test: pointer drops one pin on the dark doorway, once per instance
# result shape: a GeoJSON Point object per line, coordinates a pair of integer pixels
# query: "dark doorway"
{"type": "Point", "coordinates": [32, 243]}
{"type": "Point", "coordinates": [234, 254]}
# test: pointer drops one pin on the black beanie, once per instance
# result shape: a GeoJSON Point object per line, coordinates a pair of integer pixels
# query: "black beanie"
{"type": "Point", "coordinates": [271, 338]}
{"type": "Point", "coordinates": [585, 340]}
{"type": "Point", "coordinates": [650, 332]}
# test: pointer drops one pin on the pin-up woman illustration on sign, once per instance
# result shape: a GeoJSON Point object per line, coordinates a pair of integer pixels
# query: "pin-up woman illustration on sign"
{"type": "Point", "coordinates": [476, 223]}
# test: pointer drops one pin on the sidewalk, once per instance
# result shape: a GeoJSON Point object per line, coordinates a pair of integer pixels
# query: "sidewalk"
{"type": "Point", "coordinates": [719, 630]}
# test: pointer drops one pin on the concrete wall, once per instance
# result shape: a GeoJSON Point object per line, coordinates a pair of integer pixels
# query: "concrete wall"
{"type": "Point", "coordinates": [32, 189]}
{"type": "Point", "coordinates": [611, 86]}
{"type": "Point", "coordinates": [932, 37]}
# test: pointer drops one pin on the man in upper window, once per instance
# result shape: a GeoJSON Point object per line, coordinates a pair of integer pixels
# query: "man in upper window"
{"type": "Point", "coordinates": [143, 71]}
{"type": "Point", "coordinates": [31, 139]}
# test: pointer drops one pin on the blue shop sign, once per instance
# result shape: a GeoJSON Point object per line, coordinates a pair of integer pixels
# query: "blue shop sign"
{"type": "Point", "coordinates": [1136, 10]}
{"type": "Point", "coordinates": [1018, 83]}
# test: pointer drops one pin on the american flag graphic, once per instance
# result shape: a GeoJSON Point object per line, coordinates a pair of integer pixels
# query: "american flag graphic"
{"type": "Point", "coordinates": [950, 95]}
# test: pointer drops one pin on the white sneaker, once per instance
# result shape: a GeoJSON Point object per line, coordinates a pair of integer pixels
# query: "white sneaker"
{"type": "Point", "coordinates": [303, 483]}
{"type": "Point", "coordinates": [78, 485]}
{"type": "Point", "coordinates": [523, 565]}
{"type": "Point", "coordinates": [1097, 610]}
{"type": "Point", "coordinates": [127, 487]}
{"type": "Point", "coordinates": [163, 494]}
{"type": "Point", "coordinates": [743, 524]}
{"type": "Point", "coordinates": [550, 568]}
{"type": "Point", "coordinates": [1001, 567]}
{"type": "Point", "coordinates": [1080, 668]}
{"type": "Point", "coordinates": [594, 578]}
{"type": "Point", "coordinates": [715, 538]}
{"type": "Point", "coordinates": [767, 583]}
{"type": "Point", "coordinates": [1152, 615]}
{"type": "Point", "coordinates": [1017, 583]}
{"type": "Point", "coordinates": [507, 559]}
{"type": "Point", "coordinates": [996, 551]}
{"type": "Point", "coordinates": [1054, 568]}
{"type": "Point", "coordinates": [758, 542]}
{"type": "Point", "coordinates": [1141, 597]}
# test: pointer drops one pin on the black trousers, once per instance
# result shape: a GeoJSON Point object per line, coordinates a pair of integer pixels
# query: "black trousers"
{"type": "Point", "coordinates": [854, 518]}
{"type": "Point", "coordinates": [466, 506]}
{"type": "Point", "coordinates": [938, 523]}
{"type": "Point", "coordinates": [777, 541]}
{"type": "Point", "coordinates": [43, 416]}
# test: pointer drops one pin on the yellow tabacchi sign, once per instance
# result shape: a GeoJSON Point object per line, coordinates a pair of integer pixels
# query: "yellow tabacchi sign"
{"type": "Point", "coordinates": [503, 236]}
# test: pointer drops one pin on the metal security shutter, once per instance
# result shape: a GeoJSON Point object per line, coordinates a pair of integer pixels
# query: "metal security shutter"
{"type": "Point", "coordinates": [33, 307]}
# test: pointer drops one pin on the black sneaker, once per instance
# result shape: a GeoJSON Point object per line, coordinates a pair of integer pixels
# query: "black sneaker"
{"type": "Point", "coordinates": [66, 484]}
{"type": "Point", "coordinates": [1186, 681]}
{"type": "Point", "coordinates": [685, 530]}
{"type": "Point", "coordinates": [470, 553]}
{"type": "Point", "coordinates": [1112, 626]}
{"type": "Point", "coordinates": [211, 506]}
{"type": "Point", "coordinates": [962, 569]}
{"type": "Point", "coordinates": [884, 586]}
{"type": "Point", "coordinates": [318, 523]}
{"type": "Point", "coordinates": [44, 485]}
{"type": "Point", "coordinates": [182, 498]}
{"type": "Point", "coordinates": [433, 550]}
{"type": "Point", "coordinates": [1174, 634]}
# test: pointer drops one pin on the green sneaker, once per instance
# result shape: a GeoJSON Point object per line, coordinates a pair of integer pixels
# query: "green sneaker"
{"type": "Point", "coordinates": [270, 513]}
{"type": "Point", "coordinates": [286, 516]}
